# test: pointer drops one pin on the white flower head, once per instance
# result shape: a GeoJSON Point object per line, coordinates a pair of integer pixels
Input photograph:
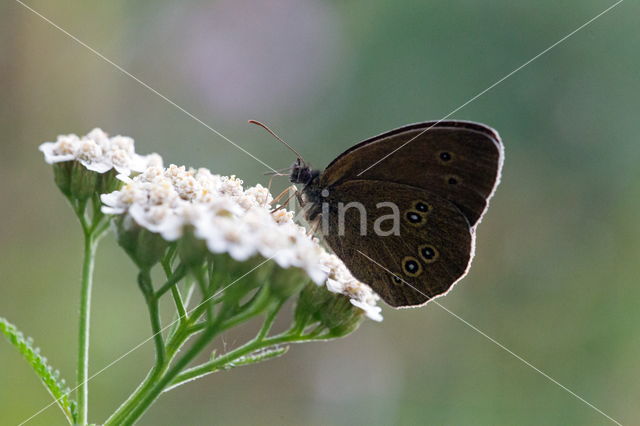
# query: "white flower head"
{"type": "Point", "coordinates": [63, 149]}
{"type": "Point", "coordinates": [259, 195]}
{"type": "Point", "coordinates": [340, 280]}
{"type": "Point", "coordinates": [100, 137]}
{"type": "Point", "coordinates": [99, 153]}
{"type": "Point", "coordinates": [281, 215]}
{"type": "Point", "coordinates": [124, 143]}
{"type": "Point", "coordinates": [371, 310]}
{"type": "Point", "coordinates": [233, 220]}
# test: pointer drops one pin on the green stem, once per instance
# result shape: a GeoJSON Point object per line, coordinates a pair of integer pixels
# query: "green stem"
{"type": "Point", "coordinates": [175, 343]}
{"type": "Point", "coordinates": [145, 399]}
{"type": "Point", "coordinates": [83, 336]}
{"type": "Point", "coordinates": [199, 276]}
{"type": "Point", "coordinates": [255, 307]}
{"type": "Point", "coordinates": [181, 314]}
{"type": "Point", "coordinates": [80, 208]}
{"type": "Point", "coordinates": [222, 361]}
{"type": "Point", "coordinates": [181, 317]}
{"type": "Point", "coordinates": [200, 309]}
{"type": "Point", "coordinates": [151, 388]}
{"type": "Point", "coordinates": [172, 279]}
{"type": "Point", "coordinates": [177, 299]}
{"type": "Point", "coordinates": [253, 345]}
{"type": "Point", "coordinates": [92, 230]}
{"type": "Point", "coordinates": [258, 304]}
{"type": "Point", "coordinates": [269, 320]}
{"type": "Point", "coordinates": [142, 399]}
{"type": "Point", "coordinates": [144, 281]}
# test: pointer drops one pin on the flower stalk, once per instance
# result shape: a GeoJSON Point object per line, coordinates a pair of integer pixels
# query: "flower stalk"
{"type": "Point", "coordinates": [83, 329]}
{"type": "Point", "coordinates": [93, 230]}
{"type": "Point", "coordinates": [146, 286]}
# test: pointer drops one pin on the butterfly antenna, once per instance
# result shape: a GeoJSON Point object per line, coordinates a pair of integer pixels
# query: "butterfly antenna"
{"type": "Point", "coordinates": [257, 123]}
{"type": "Point", "coordinates": [279, 172]}
{"type": "Point", "coordinates": [275, 174]}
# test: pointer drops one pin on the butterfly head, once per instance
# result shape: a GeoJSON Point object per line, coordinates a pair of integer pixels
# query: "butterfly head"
{"type": "Point", "coordinates": [302, 174]}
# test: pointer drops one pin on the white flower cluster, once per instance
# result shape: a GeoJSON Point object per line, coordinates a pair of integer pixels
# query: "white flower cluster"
{"type": "Point", "coordinates": [231, 220]}
{"type": "Point", "coordinates": [99, 153]}
{"type": "Point", "coordinates": [340, 280]}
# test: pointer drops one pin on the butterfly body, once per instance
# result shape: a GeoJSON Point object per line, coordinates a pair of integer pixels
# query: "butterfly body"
{"type": "Point", "coordinates": [401, 209]}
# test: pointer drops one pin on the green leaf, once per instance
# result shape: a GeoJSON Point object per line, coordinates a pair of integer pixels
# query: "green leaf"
{"type": "Point", "coordinates": [50, 377]}
{"type": "Point", "coordinates": [258, 356]}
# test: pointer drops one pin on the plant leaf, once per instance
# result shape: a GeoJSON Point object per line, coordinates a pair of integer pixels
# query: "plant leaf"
{"type": "Point", "coordinates": [258, 356]}
{"type": "Point", "coordinates": [50, 377]}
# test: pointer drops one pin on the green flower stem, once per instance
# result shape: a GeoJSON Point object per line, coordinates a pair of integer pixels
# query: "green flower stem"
{"type": "Point", "coordinates": [158, 380]}
{"type": "Point", "coordinates": [227, 360]}
{"type": "Point", "coordinates": [144, 281]}
{"type": "Point", "coordinates": [181, 316]}
{"type": "Point", "coordinates": [172, 279]}
{"type": "Point", "coordinates": [177, 340]}
{"type": "Point", "coordinates": [80, 208]}
{"type": "Point", "coordinates": [199, 275]}
{"type": "Point", "coordinates": [200, 309]}
{"type": "Point", "coordinates": [92, 234]}
{"type": "Point", "coordinates": [264, 330]}
{"type": "Point", "coordinates": [256, 306]}
{"type": "Point", "coordinates": [83, 336]}
{"type": "Point", "coordinates": [143, 401]}
{"type": "Point", "coordinates": [177, 298]}
{"type": "Point", "coordinates": [269, 320]}
{"type": "Point", "coordinates": [100, 227]}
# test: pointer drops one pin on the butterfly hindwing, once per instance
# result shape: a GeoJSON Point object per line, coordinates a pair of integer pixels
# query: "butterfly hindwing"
{"type": "Point", "coordinates": [432, 251]}
{"type": "Point", "coordinates": [459, 161]}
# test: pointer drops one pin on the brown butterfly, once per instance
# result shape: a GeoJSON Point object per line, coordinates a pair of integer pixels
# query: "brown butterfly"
{"type": "Point", "coordinates": [439, 175]}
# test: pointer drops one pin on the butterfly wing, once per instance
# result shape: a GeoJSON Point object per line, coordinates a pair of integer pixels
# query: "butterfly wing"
{"type": "Point", "coordinates": [431, 251]}
{"type": "Point", "coordinates": [459, 161]}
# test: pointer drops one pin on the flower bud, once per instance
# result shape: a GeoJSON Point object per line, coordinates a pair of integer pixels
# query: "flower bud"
{"type": "Point", "coordinates": [108, 182]}
{"type": "Point", "coordinates": [333, 311]}
{"type": "Point", "coordinates": [287, 282]}
{"type": "Point", "coordinates": [192, 250]}
{"type": "Point", "coordinates": [144, 247]}
{"type": "Point", "coordinates": [341, 317]}
{"type": "Point", "coordinates": [83, 181]}
{"type": "Point", "coordinates": [238, 278]}
{"type": "Point", "coordinates": [62, 176]}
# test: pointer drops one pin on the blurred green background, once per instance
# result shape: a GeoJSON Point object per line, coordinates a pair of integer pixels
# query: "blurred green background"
{"type": "Point", "coordinates": [556, 273]}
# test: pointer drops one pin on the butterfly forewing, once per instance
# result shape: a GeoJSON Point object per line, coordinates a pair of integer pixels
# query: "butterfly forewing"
{"type": "Point", "coordinates": [459, 161]}
{"type": "Point", "coordinates": [431, 252]}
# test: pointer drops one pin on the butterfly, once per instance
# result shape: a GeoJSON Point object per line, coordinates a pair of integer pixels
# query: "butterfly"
{"type": "Point", "coordinates": [433, 180]}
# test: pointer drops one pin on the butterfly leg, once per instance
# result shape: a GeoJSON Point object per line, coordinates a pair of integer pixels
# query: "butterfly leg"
{"type": "Point", "coordinates": [314, 228]}
{"type": "Point", "coordinates": [269, 187]}
{"type": "Point", "coordinates": [279, 196]}
{"type": "Point", "coordinates": [299, 198]}
{"type": "Point", "coordinates": [284, 204]}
